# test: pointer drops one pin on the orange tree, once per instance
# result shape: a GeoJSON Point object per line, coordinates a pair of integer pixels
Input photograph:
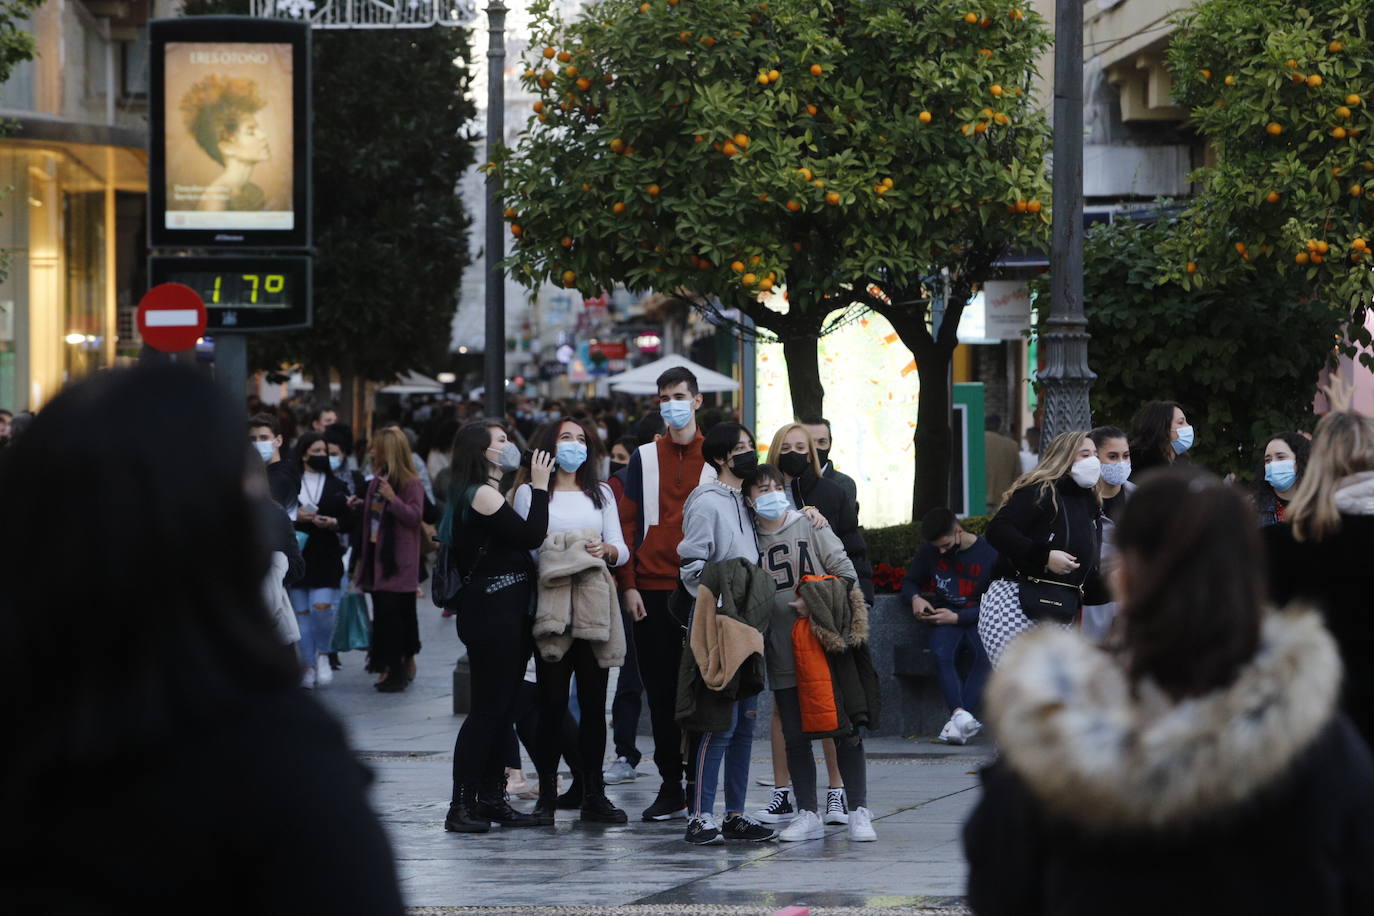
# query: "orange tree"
{"type": "Point", "coordinates": [1283, 92]}
{"type": "Point", "coordinates": [843, 150]}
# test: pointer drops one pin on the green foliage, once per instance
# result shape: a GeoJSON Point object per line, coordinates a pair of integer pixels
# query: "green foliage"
{"type": "Point", "coordinates": [1283, 92]}
{"type": "Point", "coordinates": [663, 155]}
{"type": "Point", "coordinates": [1225, 352]}
{"type": "Point", "coordinates": [896, 545]}
{"type": "Point", "coordinates": [16, 46]}
{"type": "Point", "coordinates": [391, 142]}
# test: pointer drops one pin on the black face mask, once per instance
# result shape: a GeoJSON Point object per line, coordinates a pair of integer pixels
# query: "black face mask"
{"type": "Point", "coordinates": [824, 455]}
{"type": "Point", "coordinates": [794, 464]}
{"type": "Point", "coordinates": [744, 463]}
{"type": "Point", "coordinates": [318, 463]}
{"type": "Point", "coordinates": [618, 466]}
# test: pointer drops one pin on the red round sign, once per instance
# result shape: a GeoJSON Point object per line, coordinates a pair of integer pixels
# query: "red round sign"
{"type": "Point", "coordinates": [171, 317]}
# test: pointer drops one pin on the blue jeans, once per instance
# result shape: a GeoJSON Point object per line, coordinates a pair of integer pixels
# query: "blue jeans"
{"type": "Point", "coordinates": [735, 748]}
{"type": "Point", "coordinates": [315, 610]}
{"type": "Point", "coordinates": [945, 641]}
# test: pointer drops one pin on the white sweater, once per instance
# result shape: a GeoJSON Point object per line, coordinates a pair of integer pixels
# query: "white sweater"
{"type": "Point", "coordinates": [571, 511]}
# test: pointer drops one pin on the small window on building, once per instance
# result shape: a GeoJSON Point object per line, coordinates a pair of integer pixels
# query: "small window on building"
{"type": "Point", "coordinates": [133, 77]}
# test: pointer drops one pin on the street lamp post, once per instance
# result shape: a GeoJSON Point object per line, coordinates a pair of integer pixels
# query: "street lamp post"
{"type": "Point", "coordinates": [1066, 377]}
{"type": "Point", "coordinates": [495, 347]}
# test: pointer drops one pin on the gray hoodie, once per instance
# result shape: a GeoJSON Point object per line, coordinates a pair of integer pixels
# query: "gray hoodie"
{"type": "Point", "coordinates": [716, 526]}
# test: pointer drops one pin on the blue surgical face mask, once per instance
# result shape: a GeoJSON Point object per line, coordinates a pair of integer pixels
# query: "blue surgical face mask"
{"type": "Point", "coordinates": [508, 456]}
{"type": "Point", "coordinates": [570, 455]}
{"type": "Point", "coordinates": [265, 449]}
{"type": "Point", "coordinates": [772, 505]}
{"type": "Point", "coordinates": [1116, 474]}
{"type": "Point", "coordinates": [1281, 475]}
{"type": "Point", "coordinates": [335, 462]}
{"type": "Point", "coordinates": [676, 414]}
{"type": "Point", "coordinates": [1184, 440]}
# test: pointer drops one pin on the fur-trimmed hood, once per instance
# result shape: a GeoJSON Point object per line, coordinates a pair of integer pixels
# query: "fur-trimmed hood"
{"type": "Point", "coordinates": [838, 612]}
{"type": "Point", "coordinates": [1096, 754]}
{"type": "Point", "coordinates": [1355, 494]}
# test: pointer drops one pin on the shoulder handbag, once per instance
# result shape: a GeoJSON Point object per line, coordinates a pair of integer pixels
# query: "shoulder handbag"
{"type": "Point", "coordinates": [1049, 600]}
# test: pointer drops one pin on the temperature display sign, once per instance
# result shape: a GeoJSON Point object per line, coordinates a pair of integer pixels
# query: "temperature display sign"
{"type": "Point", "coordinates": [244, 293]}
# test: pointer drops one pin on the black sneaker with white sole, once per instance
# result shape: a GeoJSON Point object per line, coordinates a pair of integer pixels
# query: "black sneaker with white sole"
{"type": "Point", "coordinates": [702, 831]}
{"type": "Point", "coordinates": [745, 829]}
{"type": "Point", "coordinates": [670, 804]}
{"type": "Point", "coordinates": [779, 810]}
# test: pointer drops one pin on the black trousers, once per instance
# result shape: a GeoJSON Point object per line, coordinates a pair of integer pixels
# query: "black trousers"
{"type": "Point", "coordinates": [658, 642]}
{"type": "Point", "coordinates": [526, 731]}
{"type": "Point", "coordinates": [395, 631]}
{"type": "Point", "coordinates": [495, 629]}
{"type": "Point", "coordinates": [552, 679]}
{"type": "Point", "coordinates": [801, 758]}
{"type": "Point", "coordinates": [629, 694]}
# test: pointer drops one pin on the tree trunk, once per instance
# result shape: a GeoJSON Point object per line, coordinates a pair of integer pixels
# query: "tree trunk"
{"type": "Point", "coordinates": [804, 375]}
{"type": "Point", "coordinates": [348, 397]}
{"type": "Point", "coordinates": [934, 440]}
{"type": "Point", "coordinates": [319, 374]}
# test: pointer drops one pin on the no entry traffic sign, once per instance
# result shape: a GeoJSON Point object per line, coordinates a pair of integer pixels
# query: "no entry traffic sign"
{"type": "Point", "coordinates": [171, 317]}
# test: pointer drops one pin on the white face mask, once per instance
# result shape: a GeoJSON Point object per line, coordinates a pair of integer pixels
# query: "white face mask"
{"type": "Point", "coordinates": [1086, 471]}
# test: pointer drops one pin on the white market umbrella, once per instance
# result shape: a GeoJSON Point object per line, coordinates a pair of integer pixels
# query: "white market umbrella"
{"type": "Point", "coordinates": [644, 379]}
{"type": "Point", "coordinates": [412, 382]}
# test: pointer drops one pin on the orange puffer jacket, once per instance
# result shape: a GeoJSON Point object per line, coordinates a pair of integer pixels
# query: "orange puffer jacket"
{"type": "Point", "coordinates": [837, 686]}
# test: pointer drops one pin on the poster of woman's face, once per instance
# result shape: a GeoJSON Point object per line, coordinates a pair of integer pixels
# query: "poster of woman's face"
{"type": "Point", "coordinates": [229, 136]}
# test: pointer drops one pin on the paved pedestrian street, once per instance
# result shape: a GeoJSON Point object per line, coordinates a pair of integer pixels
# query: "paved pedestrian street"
{"type": "Point", "coordinates": [920, 794]}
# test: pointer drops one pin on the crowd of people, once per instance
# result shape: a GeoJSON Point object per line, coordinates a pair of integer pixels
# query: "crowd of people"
{"type": "Point", "coordinates": [1175, 671]}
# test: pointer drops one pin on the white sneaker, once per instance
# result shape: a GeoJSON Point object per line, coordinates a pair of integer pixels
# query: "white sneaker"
{"type": "Point", "coordinates": [764, 779]}
{"type": "Point", "coordinates": [967, 725]}
{"type": "Point", "coordinates": [861, 826]}
{"type": "Point", "coordinates": [805, 826]}
{"type": "Point", "coordinates": [951, 733]}
{"type": "Point", "coordinates": [324, 675]}
{"type": "Point", "coordinates": [619, 772]}
{"type": "Point", "coordinates": [835, 810]}
{"type": "Point", "coordinates": [308, 679]}
{"type": "Point", "coordinates": [779, 810]}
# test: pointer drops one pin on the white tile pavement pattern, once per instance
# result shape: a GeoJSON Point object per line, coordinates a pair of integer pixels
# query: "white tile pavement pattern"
{"type": "Point", "coordinates": [919, 792]}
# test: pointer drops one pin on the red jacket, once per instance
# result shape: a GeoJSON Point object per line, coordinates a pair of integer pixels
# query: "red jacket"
{"type": "Point", "coordinates": [679, 469]}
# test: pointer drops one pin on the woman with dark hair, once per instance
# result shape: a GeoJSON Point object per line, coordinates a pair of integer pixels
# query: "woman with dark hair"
{"type": "Point", "coordinates": [1114, 452]}
{"type": "Point", "coordinates": [1204, 744]}
{"type": "Point", "coordinates": [1048, 534]}
{"type": "Point", "coordinates": [321, 515]}
{"type": "Point", "coordinates": [389, 561]}
{"type": "Point", "coordinates": [578, 502]}
{"type": "Point", "coordinates": [172, 677]}
{"type": "Point", "coordinates": [491, 548]}
{"type": "Point", "coordinates": [1285, 460]}
{"type": "Point", "coordinates": [1159, 435]}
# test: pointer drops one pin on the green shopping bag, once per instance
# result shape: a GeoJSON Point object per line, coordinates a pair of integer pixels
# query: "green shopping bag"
{"type": "Point", "coordinates": [351, 629]}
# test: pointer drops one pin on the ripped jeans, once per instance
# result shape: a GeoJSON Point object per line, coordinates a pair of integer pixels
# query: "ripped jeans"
{"type": "Point", "coordinates": [734, 747]}
{"type": "Point", "coordinates": [315, 611]}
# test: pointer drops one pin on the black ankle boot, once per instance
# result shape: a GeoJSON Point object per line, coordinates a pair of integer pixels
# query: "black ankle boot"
{"type": "Point", "coordinates": [571, 800]}
{"type": "Point", "coordinates": [493, 804]}
{"type": "Point", "coordinates": [596, 807]}
{"type": "Point", "coordinates": [547, 805]}
{"type": "Point", "coordinates": [460, 818]}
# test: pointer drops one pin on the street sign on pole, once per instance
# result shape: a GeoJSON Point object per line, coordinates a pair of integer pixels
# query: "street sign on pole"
{"type": "Point", "coordinates": [171, 317]}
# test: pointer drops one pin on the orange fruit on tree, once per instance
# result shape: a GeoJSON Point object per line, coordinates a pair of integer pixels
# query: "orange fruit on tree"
{"type": "Point", "coordinates": [549, 53]}
{"type": "Point", "coordinates": [709, 41]}
{"type": "Point", "coordinates": [653, 190]}
{"type": "Point", "coordinates": [1034, 206]}
{"type": "Point", "coordinates": [818, 183]}
{"type": "Point", "coordinates": [1299, 78]}
{"type": "Point", "coordinates": [516, 230]}
{"type": "Point", "coordinates": [774, 75]}
{"type": "Point", "coordinates": [880, 189]}
{"type": "Point", "coordinates": [1001, 118]}
{"type": "Point", "coordinates": [1240, 248]}
{"type": "Point", "coordinates": [817, 69]}
{"type": "Point", "coordinates": [984, 23]}
{"type": "Point", "coordinates": [543, 118]}
{"type": "Point", "coordinates": [793, 206]}
{"type": "Point", "coordinates": [812, 110]}
{"type": "Point", "coordinates": [510, 213]}
{"type": "Point", "coordinates": [1356, 190]}
{"type": "Point", "coordinates": [986, 52]}
{"type": "Point", "coordinates": [583, 83]}
{"type": "Point", "coordinates": [564, 57]}
{"type": "Point", "coordinates": [971, 18]}
{"type": "Point", "coordinates": [617, 145]}
{"type": "Point", "coordinates": [1322, 247]}
{"type": "Point", "coordinates": [1359, 244]}
{"type": "Point", "coordinates": [995, 89]}
{"type": "Point", "coordinates": [569, 279]}
{"type": "Point", "coordinates": [737, 266]}
{"type": "Point", "coordinates": [1352, 99]}
{"type": "Point", "coordinates": [1335, 47]}
{"type": "Point", "coordinates": [729, 148]}
{"type": "Point", "coordinates": [1338, 133]}
{"type": "Point", "coordinates": [1272, 197]}
{"type": "Point", "coordinates": [1229, 80]}
{"type": "Point", "coordinates": [754, 260]}
{"type": "Point", "coordinates": [742, 141]}
{"type": "Point", "coordinates": [1316, 258]}
{"type": "Point", "coordinates": [763, 78]}
{"type": "Point", "coordinates": [1022, 205]}
{"type": "Point", "coordinates": [538, 107]}
{"type": "Point", "coordinates": [698, 138]}
{"type": "Point", "coordinates": [1016, 14]}
{"type": "Point", "coordinates": [1314, 80]}
{"type": "Point", "coordinates": [749, 279]}
{"type": "Point", "coordinates": [567, 241]}
{"type": "Point", "coordinates": [570, 71]}
{"type": "Point", "coordinates": [805, 173]}
{"type": "Point", "coordinates": [1190, 267]}
{"type": "Point", "coordinates": [644, 7]}
{"type": "Point", "coordinates": [924, 117]}
{"type": "Point", "coordinates": [763, 198]}
{"type": "Point", "coordinates": [1206, 74]}
{"type": "Point", "coordinates": [1342, 111]}
{"type": "Point", "coordinates": [586, 187]}
{"type": "Point", "coordinates": [618, 208]}
{"type": "Point", "coordinates": [1302, 257]}
{"type": "Point", "coordinates": [833, 199]}
{"type": "Point", "coordinates": [765, 284]}
{"type": "Point", "coordinates": [980, 127]}
{"type": "Point", "coordinates": [1292, 64]}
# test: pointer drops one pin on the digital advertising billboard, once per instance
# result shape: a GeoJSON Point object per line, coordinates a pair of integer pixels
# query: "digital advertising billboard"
{"type": "Point", "coordinates": [229, 154]}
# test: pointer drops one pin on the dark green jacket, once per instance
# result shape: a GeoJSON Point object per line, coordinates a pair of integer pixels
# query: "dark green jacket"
{"type": "Point", "coordinates": [839, 618]}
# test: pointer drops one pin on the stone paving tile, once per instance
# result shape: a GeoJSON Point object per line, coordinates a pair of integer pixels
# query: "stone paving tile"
{"type": "Point", "coordinates": [920, 795]}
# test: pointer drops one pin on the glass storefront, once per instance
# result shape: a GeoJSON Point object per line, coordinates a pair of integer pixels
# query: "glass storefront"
{"type": "Point", "coordinates": [67, 262]}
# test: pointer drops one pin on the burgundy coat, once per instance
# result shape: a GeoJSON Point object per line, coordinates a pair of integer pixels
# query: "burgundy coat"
{"type": "Point", "coordinates": [401, 521]}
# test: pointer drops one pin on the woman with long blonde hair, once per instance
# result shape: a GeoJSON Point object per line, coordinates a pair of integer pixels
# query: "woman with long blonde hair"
{"type": "Point", "coordinates": [1325, 552]}
{"type": "Point", "coordinates": [389, 564]}
{"type": "Point", "coordinates": [1048, 534]}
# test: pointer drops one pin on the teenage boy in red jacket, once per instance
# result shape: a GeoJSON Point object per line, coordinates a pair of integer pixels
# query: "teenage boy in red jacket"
{"type": "Point", "coordinates": [660, 477]}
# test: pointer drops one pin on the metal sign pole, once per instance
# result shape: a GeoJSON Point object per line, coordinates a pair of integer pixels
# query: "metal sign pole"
{"type": "Point", "coordinates": [494, 350]}
{"type": "Point", "coordinates": [231, 365]}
